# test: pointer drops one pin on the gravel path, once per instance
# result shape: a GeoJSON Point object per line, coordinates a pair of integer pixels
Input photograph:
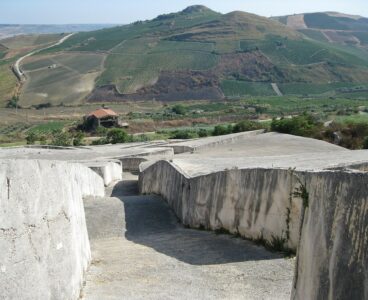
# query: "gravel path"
{"type": "Point", "coordinates": [140, 251]}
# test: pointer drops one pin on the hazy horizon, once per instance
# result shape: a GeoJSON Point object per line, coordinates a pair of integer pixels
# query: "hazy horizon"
{"type": "Point", "coordinates": [45, 12]}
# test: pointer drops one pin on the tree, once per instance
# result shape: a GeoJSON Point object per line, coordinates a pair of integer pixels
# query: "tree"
{"type": "Point", "coordinates": [117, 136]}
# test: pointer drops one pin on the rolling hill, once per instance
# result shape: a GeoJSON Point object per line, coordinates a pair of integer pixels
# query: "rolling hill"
{"type": "Point", "coordinates": [199, 54]}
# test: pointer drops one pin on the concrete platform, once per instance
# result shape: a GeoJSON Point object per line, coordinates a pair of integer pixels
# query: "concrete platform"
{"type": "Point", "coordinates": [286, 190]}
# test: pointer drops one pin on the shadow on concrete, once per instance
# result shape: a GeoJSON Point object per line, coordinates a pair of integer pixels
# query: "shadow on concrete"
{"type": "Point", "coordinates": [150, 222]}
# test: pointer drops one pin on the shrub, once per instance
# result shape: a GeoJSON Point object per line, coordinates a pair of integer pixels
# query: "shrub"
{"type": "Point", "coordinates": [60, 138]}
{"type": "Point", "coordinates": [304, 125]}
{"type": "Point", "coordinates": [13, 102]}
{"type": "Point", "coordinates": [101, 131]}
{"type": "Point", "coordinates": [101, 141]}
{"type": "Point", "coordinates": [78, 139]}
{"type": "Point", "coordinates": [365, 143]}
{"type": "Point", "coordinates": [246, 126]}
{"type": "Point", "coordinates": [179, 109]}
{"type": "Point", "coordinates": [31, 138]}
{"type": "Point", "coordinates": [222, 130]}
{"type": "Point", "coordinates": [203, 132]}
{"type": "Point", "coordinates": [43, 140]}
{"type": "Point", "coordinates": [117, 136]}
{"type": "Point", "coordinates": [183, 134]}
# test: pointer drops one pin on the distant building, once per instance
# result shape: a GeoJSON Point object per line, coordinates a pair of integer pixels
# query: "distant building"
{"type": "Point", "coordinates": [102, 117]}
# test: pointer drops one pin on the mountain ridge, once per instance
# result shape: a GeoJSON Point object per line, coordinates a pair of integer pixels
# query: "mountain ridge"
{"type": "Point", "coordinates": [195, 54]}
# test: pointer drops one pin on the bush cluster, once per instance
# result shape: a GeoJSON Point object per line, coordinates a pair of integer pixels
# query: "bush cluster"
{"type": "Point", "coordinates": [241, 126]}
{"type": "Point", "coordinates": [56, 138]}
{"type": "Point", "coordinates": [304, 125]}
{"type": "Point", "coordinates": [113, 136]}
{"type": "Point", "coordinates": [347, 135]}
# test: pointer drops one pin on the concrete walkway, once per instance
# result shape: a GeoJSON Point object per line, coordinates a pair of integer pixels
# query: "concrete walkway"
{"type": "Point", "coordinates": [140, 251]}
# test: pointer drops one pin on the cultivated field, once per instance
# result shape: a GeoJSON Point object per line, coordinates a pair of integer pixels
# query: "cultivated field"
{"type": "Point", "coordinates": [136, 64]}
{"type": "Point", "coordinates": [64, 78]}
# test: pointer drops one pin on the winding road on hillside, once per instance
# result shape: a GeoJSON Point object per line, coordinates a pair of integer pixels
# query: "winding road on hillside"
{"type": "Point", "coordinates": [141, 251]}
{"type": "Point", "coordinates": [16, 68]}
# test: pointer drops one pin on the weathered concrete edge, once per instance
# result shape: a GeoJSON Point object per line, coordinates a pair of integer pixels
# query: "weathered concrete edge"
{"type": "Point", "coordinates": [55, 214]}
{"type": "Point", "coordinates": [210, 142]}
{"type": "Point", "coordinates": [333, 196]}
{"type": "Point", "coordinates": [187, 194]}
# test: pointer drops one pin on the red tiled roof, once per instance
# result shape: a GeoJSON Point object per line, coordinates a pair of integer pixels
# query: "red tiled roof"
{"type": "Point", "coordinates": [103, 112]}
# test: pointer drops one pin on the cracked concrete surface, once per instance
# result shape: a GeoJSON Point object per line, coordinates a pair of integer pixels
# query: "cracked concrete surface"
{"type": "Point", "coordinates": [141, 251]}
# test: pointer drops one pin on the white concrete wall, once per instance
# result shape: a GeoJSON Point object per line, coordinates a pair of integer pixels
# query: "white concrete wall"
{"type": "Point", "coordinates": [111, 171]}
{"type": "Point", "coordinates": [251, 202]}
{"type": "Point", "coordinates": [332, 260]}
{"type": "Point", "coordinates": [329, 227]}
{"type": "Point", "coordinates": [44, 242]}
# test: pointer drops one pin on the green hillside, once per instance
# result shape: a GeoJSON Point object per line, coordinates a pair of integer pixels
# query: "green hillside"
{"type": "Point", "coordinates": [201, 54]}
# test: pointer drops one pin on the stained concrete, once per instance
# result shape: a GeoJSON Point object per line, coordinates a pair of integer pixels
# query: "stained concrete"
{"type": "Point", "coordinates": [259, 187]}
{"type": "Point", "coordinates": [141, 251]}
{"type": "Point", "coordinates": [44, 244]}
{"type": "Point", "coordinates": [244, 183]}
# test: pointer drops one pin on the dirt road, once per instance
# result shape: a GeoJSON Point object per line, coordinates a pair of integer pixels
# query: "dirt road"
{"type": "Point", "coordinates": [16, 68]}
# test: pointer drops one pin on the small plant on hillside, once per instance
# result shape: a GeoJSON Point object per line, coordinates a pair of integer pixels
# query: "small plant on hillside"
{"type": "Point", "coordinates": [13, 102]}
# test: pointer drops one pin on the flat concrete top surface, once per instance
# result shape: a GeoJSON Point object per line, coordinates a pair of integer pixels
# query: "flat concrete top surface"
{"type": "Point", "coordinates": [83, 153]}
{"type": "Point", "coordinates": [268, 150]}
{"type": "Point", "coordinates": [269, 144]}
{"type": "Point", "coordinates": [140, 251]}
{"type": "Point", "coordinates": [216, 139]}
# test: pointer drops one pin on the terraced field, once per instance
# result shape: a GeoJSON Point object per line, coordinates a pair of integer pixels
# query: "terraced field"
{"type": "Point", "coordinates": [8, 83]}
{"type": "Point", "coordinates": [317, 89]}
{"type": "Point", "coordinates": [62, 78]}
{"type": "Point", "coordinates": [47, 128]}
{"type": "Point", "coordinates": [283, 51]}
{"type": "Point", "coordinates": [314, 34]}
{"type": "Point", "coordinates": [199, 54]}
{"type": "Point", "coordinates": [134, 65]}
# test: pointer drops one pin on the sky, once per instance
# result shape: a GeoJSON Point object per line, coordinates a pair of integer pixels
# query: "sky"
{"type": "Point", "coordinates": [124, 11]}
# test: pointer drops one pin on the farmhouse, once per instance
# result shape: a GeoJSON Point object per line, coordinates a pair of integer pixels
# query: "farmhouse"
{"type": "Point", "coordinates": [102, 117]}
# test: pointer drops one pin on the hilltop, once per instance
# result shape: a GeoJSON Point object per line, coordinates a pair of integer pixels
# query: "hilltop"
{"type": "Point", "coordinates": [195, 54]}
{"type": "Point", "coordinates": [333, 27]}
